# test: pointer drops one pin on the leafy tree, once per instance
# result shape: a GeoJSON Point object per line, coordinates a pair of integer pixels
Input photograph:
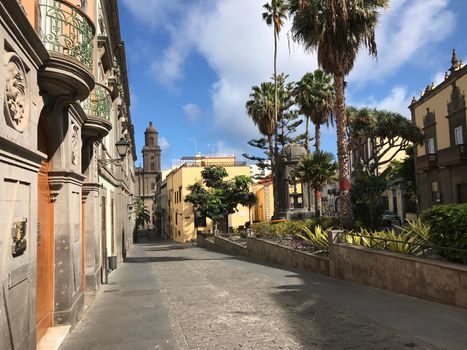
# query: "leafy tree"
{"type": "Point", "coordinates": [288, 114]}
{"type": "Point", "coordinates": [261, 161]}
{"type": "Point", "coordinates": [337, 29]}
{"type": "Point", "coordinates": [316, 169]}
{"type": "Point", "coordinates": [275, 15]}
{"type": "Point", "coordinates": [142, 214]}
{"type": "Point", "coordinates": [367, 197]}
{"type": "Point", "coordinates": [260, 108]}
{"type": "Point", "coordinates": [404, 170]}
{"type": "Point", "coordinates": [289, 121]}
{"type": "Point", "coordinates": [388, 133]}
{"type": "Point", "coordinates": [314, 94]}
{"type": "Point", "coordinates": [215, 197]}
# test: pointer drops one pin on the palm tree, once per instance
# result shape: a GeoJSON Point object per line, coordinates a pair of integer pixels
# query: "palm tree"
{"type": "Point", "coordinates": [275, 15]}
{"type": "Point", "coordinates": [337, 29]}
{"type": "Point", "coordinates": [142, 214]}
{"type": "Point", "coordinates": [316, 169]}
{"type": "Point", "coordinates": [260, 108]}
{"type": "Point", "coordinates": [314, 94]}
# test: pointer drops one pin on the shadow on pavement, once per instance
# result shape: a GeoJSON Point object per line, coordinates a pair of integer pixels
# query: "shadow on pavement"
{"type": "Point", "coordinates": [152, 259]}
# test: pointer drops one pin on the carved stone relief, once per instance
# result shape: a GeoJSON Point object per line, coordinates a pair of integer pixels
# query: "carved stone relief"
{"type": "Point", "coordinates": [15, 107]}
{"type": "Point", "coordinates": [74, 143]}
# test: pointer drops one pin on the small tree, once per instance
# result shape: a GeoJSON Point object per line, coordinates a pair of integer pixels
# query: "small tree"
{"type": "Point", "coordinates": [367, 197]}
{"type": "Point", "coordinates": [216, 198]}
{"type": "Point", "coordinates": [388, 133]}
{"type": "Point", "coordinates": [142, 214]}
{"type": "Point", "coordinates": [316, 169]}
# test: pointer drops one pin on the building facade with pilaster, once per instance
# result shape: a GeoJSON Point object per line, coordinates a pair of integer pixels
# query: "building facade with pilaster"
{"type": "Point", "coordinates": [67, 190]}
{"type": "Point", "coordinates": [441, 162]}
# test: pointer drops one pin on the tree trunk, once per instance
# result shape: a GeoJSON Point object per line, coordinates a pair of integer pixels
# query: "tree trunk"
{"type": "Point", "coordinates": [317, 203]}
{"type": "Point", "coordinates": [275, 187]}
{"type": "Point", "coordinates": [345, 210]}
{"type": "Point", "coordinates": [317, 137]}
{"type": "Point", "coordinates": [273, 164]}
{"type": "Point", "coordinates": [309, 195]}
{"type": "Point", "coordinates": [276, 108]}
{"type": "Point", "coordinates": [307, 134]}
{"type": "Point", "coordinates": [317, 190]}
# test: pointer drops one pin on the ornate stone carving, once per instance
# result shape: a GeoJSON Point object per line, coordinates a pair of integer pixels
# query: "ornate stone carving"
{"type": "Point", "coordinates": [74, 144]}
{"type": "Point", "coordinates": [16, 108]}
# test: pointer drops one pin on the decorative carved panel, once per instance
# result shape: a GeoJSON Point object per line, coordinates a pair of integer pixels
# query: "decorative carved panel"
{"type": "Point", "coordinates": [16, 104]}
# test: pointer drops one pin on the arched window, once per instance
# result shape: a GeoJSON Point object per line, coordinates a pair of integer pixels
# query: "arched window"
{"type": "Point", "coordinates": [152, 164]}
{"type": "Point", "coordinates": [151, 141]}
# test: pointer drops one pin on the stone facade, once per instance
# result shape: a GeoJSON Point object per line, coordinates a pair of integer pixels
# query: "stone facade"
{"type": "Point", "coordinates": [148, 178]}
{"type": "Point", "coordinates": [441, 162]}
{"type": "Point", "coordinates": [65, 104]}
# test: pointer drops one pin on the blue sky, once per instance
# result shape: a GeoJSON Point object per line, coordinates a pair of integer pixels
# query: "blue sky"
{"type": "Point", "coordinates": [192, 64]}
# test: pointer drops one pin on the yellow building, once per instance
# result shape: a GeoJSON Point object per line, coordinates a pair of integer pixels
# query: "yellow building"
{"type": "Point", "coordinates": [183, 225]}
{"type": "Point", "coordinates": [264, 208]}
{"type": "Point", "coordinates": [441, 161]}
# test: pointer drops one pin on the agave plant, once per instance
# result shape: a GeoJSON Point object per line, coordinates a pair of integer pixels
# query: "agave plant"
{"type": "Point", "coordinates": [317, 237]}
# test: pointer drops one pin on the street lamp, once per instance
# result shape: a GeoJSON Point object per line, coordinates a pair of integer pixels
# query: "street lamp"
{"type": "Point", "coordinates": [122, 149]}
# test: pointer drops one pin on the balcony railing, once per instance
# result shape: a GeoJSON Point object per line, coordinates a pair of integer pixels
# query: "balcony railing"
{"type": "Point", "coordinates": [99, 102]}
{"type": "Point", "coordinates": [66, 29]}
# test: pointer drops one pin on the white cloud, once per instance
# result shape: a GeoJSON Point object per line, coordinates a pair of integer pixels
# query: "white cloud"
{"type": "Point", "coordinates": [438, 78]}
{"type": "Point", "coordinates": [238, 46]}
{"type": "Point", "coordinates": [164, 143]}
{"type": "Point", "coordinates": [404, 32]}
{"type": "Point", "coordinates": [222, 149]}
{"type": "Point", "coordinates": [397, 100]}
{"type": "Point", "coordinates": [154, 13]}
{"type": "Point", "coordinates": [192, 111]}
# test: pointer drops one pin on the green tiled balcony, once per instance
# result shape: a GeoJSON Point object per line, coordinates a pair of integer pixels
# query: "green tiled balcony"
{"type": "Point", "coordinates": [66, 30]}
{"type": "Point", "coordinates": [98, 108]}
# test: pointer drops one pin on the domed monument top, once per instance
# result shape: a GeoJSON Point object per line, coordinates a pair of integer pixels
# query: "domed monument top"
{"type": "Point", "coordinates": [293, 152]}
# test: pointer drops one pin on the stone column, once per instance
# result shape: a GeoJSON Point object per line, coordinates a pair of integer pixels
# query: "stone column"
{"type": "Point", "coordinates": [92, 241]}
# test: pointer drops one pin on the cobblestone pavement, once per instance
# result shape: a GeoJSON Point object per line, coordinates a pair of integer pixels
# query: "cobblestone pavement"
{"type": "Point", "coordinates": [178, 296]}
{"type": "Point", "coordinates": [217, 302]}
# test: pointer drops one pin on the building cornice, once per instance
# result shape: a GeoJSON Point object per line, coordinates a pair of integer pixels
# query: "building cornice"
{"type": "Point", "coordinates": [456, 75]}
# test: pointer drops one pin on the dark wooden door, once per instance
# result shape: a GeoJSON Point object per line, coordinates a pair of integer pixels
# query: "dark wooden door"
{"type": "Point", "coordinates": [45, 254]}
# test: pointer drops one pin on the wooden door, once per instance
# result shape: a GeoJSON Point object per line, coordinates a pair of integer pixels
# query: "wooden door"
{"type": "Point", "coordinates": [45, 254]}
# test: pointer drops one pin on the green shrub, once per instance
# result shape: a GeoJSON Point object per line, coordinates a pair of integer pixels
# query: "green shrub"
{"type": "Point", "coordinates": [328, 222]}
{"type": "Point", "coordinates": [448, 228]}
{"type": "Point", "coordinates": [317, 237]}
{"type": "Point", "coordinates": [407, 241]}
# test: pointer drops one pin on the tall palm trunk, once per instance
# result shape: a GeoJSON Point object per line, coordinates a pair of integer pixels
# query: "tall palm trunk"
{"type": "Point", "coordinates": [345, 210]}
{"type": "Point", "coordinates": [274, 151]}
{"type": "Point", "coordinates": [307, 134]}
{"type": "Point", "coordinates": [273, 162]}
{"type": "Point", "coordinates": [317, 190]}
{"type": "Point", "coordinates": [317, 137]}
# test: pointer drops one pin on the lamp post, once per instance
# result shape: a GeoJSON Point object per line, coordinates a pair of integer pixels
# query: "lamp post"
{"type": "Point", "coordinates": [122, 149]}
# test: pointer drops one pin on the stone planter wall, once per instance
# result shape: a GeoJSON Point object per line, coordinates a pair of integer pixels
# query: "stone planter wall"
{"type": "Point", "coordinates": [277, 254]}
{"type": "Point", "coordinates": [423, 278]}
{"type": "Point", "coordinates": [230, 247]}
{"type": "Point", "coordinates": [202, 242]}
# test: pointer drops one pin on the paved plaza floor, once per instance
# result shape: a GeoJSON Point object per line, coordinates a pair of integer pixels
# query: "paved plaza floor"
{"type": "Point", "coordinates": [178, 296]}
